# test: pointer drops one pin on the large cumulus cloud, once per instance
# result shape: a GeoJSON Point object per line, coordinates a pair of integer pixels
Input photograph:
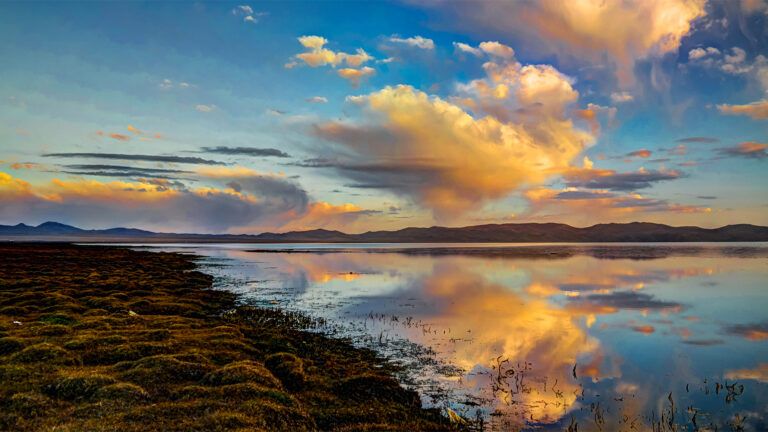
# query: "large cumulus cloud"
{"type": "Point", "coordinates": [450, 156]}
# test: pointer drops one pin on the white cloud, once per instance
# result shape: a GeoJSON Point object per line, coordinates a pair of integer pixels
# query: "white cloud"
{"type": "Point", "coordinates": [248, 14]}
{"type": "Point", "coordinates": [205, 108]}
{"type": "Point", "coordinates": [245, 9]}
{"type": "Point", "coordinates": [317, 99]}
{"type": "Point", "coordinates": [621, 97]}
{"type": "Point", "coordinates": [469, 49]}
{"type": "Point", "coordinates": [415, 41]}
{"type": "Point", "coordinates": [699, 53]}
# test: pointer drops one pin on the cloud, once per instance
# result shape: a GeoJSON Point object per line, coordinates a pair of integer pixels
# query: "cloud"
{"type": "Point", "coordinates": [317, 99]}
{"type": "Point", "coordinates": [751, 331]}
{"type": "Point", "coordinates": [732, 62]}
{"type": "Point", "coordinates": [698, 139]}
{"type": "Point", "coordinates": [205, 108]}
{"type": "Point", "coordinates": [609, 179]}
{"type": "Point", "coordinates": [749, 149]}
{"type": "Point", "coordinates": [317, 55]}
{"type": "Point", "coordinates": [146, 158]}
{"type": "Point", "coordinates": [497, 49]}
{"type": "Point", "coordinates": [589, 205]}
{"type": "Point", "coordinates": [153, 204]}
{"type": "Point", "coordinates": [645, 329]}
{"type": "Point", "coordinates": [355, 76]}
{"type": "Point", "coordinates": [760, 373]}
{"type": "Point", "coordinates": [700, 53]}
{"type": "Point", "coordinates": [465, 48]}
{"type": "Point", "coordinates": [593, 113]}
{"type": "Point", "coordinates": [643, 153]}
{"type": "Point", "coordinates": [122, 171]}
{"type": "Point", "coordinates": [415, 41]}
{"type": "Point", "coordinates": [246, 151]}
{"type": "Point", "coordinates": [625, 30]}
{"type": "Point", "coordinates": [622, 300]}
{"type": "Point", "coordinates": [248, 14]}
{"type": "Point", "coordinates": [756, 110]}
{"type": "Point", "coordinates": [168, 84]}
{"type": "Point", "coordinates": [446, 160]}
{"type": "Point", "coordinates": [621, 97]}
{"type": "Point", "coordinates": [119, 137]}
{"type": "Point", "coordinates": [326, 216]}
{"type": "Point", "coordinates": [25, 165]}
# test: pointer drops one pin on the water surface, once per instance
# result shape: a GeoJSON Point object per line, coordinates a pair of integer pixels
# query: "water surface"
{"type": "Point", "coordinates": [541, 337]}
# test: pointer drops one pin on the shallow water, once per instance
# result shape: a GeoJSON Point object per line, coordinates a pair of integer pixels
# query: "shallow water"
{"type": "Point", "coordinates": [545, 337]}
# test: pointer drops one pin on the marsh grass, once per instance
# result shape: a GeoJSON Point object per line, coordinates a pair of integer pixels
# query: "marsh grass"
{"type": "Point", "coordinates": [115, 339]}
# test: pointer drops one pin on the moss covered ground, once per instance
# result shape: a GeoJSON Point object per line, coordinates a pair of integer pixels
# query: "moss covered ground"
{"type": "Point", "coordinates": [112, 339]}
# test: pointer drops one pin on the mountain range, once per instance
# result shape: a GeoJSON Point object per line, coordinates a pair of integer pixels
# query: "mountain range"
{"type": "Point", "coordinates": [490, 233]}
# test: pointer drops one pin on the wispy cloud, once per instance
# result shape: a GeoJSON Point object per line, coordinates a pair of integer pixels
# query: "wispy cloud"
{"type": "Point", "coordinates": [612, 180]}
{"type": "Point", "coordinates": [249, 15]}
{"type": "Point", "coordinates": [415, 42]}
{"type": "Point", "coordinates": [246, 151]}
{"type": "Point", "coordinates": [205, 108]}
{"type": "Point", "coordinates": [756, 110]}
{"type": "Point", "coordinates": [137, 157]}
{"type": "Point", "coordinates": [751, 149]}
{"type": "Point", "coordinates": [698, 139]}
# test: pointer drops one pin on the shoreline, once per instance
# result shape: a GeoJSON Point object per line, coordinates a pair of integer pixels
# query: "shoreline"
{"type": "Point", "coordinates": [108, 338]}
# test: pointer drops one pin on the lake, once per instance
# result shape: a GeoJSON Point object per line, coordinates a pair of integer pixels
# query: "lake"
{"type": "Point", "coordinates": [541, 337]}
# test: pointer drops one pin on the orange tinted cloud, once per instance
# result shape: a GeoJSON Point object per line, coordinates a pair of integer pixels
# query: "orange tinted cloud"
{"type": "Point", "coordinates": [587, 206]}
{"type": "Point", "coordinates": [318, 55]}
{"type": "Point", "coordinates": [759, 373]}
{"type": "Point", "coordinates": [643, 153]}
{"type": "Point", "coordinates": [355, 76]}
{"type": "Point", "coordinates": [749, 149]}
{"type": "Point", "coordinates": [120, 137]}
{"type": "Point", "coordinates": [153, 204]}
{"type": "Point", "coordinates": [450, 161]}
{"type": "Point", "coordinates": [625, 30]}
{"type": "Point", "coordinates": [645, 329]}
{"type": "Point", "coordinates": [24, 165]}
{"type": "Point", "coordinates": [757, 110]}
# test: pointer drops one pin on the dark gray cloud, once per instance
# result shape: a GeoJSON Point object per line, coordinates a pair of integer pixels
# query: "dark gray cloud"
{"type": "Point", "coordinates": [625, 300]}
{"type": "Point", "coordinates": [706, 197]}
{"type": "Point", "coordinates": [134, 157]}
{"type": "Point", "coordinates": [246, 151]}
{"type": "Point", "coordinates": [619, 181]}
{"type": "Point", "coordinates": [122, 171]}
{"type": "Point", "coordinates": [698, 139]}
{"type": "Point", "coordinates": [97, 167]}
{"type": "Point", "coordinates": [316, 163]}
{"type": "Point", "coordinates": [752, 331]}
{"type": "Point", "coordinates": [704, 342]}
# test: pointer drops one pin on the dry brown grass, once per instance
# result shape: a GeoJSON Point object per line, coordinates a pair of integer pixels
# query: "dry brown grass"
{"type": "Point", "coordinates": [114, 339]}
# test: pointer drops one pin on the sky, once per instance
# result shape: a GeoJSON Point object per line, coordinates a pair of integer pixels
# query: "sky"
{"type": "Point", "coordinates": [232, 117]}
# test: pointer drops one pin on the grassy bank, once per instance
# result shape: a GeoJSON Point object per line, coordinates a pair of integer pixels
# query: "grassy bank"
{"type": "Point", "coordinates": [108, 339]}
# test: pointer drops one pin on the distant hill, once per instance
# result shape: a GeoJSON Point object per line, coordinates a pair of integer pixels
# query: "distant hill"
{"type": "Point", "coordinates": [492, 233]}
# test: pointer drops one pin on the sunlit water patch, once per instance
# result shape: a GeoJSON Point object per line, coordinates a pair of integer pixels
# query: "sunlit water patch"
{"type": "Point", "coordinates": [553, 337]}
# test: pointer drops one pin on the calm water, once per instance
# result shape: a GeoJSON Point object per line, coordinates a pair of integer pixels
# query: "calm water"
{"type": "Point", "coordinates": [546, 337]}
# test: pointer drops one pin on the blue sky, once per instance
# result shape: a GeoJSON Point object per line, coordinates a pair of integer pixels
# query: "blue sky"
{"type": "Point", "coordinates": [532, 119]}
